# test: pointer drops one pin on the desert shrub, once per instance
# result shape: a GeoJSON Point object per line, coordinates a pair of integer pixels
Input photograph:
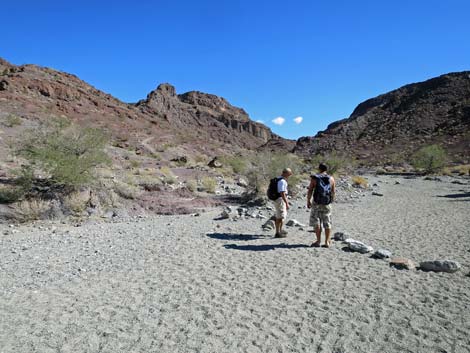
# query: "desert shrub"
{"type": "Point", "coordinates": [191, 185]}
{"type": "Point", "coordinates": [237, 163]}
{"type": "Point", "coordinates": [358, 181]}
{"type": "Point", "coordinates": [9, 194]}
{"type": "Point", "coordinates": [125, 190]}
{"type": "Point", "coordinates": [12, 120]}
{"type": "Point", "coordinates": [168, 176]}
{"type": "Point", "coordinates": [67, 153]}
{"type": "Point", "coordinates": [30, 210]}
{"type": "Point", "coordinates": [200, 159]}
{"type": "Point", "coordinates": [265, 166]}
{"type": "Point", "coordinates": [334, 161]}
{"type": "Point", "coordinates": [76, 202]}
{"type": "Point", "coordinates": [430, 159]}
{"type": "Point", "coordinates": [149, 182]}
{"type": "Point", "coordinates": [209, 184]}
{"type": "Point", "coordinates": [134, 163]}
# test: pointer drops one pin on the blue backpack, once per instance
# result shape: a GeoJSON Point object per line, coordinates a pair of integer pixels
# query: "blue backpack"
{"type": "Point", "coordinates": [322, 193]}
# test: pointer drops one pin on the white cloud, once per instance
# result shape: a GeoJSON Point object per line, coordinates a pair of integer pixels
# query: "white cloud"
{"type": "Point", "coordinates": [279, 120]}
{"type": "Point", "coordinates": [298, 120]}
{"type": "Point", "coordinates": [260, 121]}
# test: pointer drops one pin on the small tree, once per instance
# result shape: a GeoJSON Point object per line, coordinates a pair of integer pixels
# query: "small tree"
{"type": "Point", "coordinates": [430, 158]}
{"type": "Point", "coordinates": [265, 166]}
{"type": "Point", "coordinates": [66, 152]}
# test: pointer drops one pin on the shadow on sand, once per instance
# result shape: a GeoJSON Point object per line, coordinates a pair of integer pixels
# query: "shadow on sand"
{"type": "Point", "coordinates": [457, 196]}
{"type": "Point", "coordinates": [264, 247]}
{"type": "Point", "coordinates": [235, 236]}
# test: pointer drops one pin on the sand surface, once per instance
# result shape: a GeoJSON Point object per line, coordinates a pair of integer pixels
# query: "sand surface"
{"type": "Point", "coordinates": [194, 284]}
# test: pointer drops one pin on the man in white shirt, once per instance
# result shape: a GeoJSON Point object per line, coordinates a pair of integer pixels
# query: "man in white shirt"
{"type": "Point", "coordinates": [281, 204]}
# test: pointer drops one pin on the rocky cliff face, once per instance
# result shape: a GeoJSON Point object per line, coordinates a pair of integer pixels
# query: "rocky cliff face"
{"type": "Point", "coordinates": [394, 125]}
{"type": "Point", "coordinates": [192, 121]}
{"type": "Point", "coordinates": [207, 111]}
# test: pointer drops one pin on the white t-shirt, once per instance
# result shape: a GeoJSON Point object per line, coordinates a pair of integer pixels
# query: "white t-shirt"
{"type": "Point", "coordinates": [282, 186]}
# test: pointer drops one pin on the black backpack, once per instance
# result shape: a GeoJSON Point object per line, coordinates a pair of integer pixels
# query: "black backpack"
{"type": "Point", "coordinates": [272, 192]}
{"type": "Point", "coordinates": [322, 193]}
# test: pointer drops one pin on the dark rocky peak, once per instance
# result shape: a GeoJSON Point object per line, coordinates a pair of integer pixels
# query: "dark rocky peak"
{"type": "Point", "coordinates": [213, 102]}
{"type": "Point", "coordinates": [436, 111]}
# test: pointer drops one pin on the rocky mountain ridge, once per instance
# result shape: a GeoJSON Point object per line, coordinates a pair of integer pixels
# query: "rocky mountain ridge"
{"type": "Point", "coordinates": [392, 126]}
{"type": "Point", "coordinates": [193, 122]}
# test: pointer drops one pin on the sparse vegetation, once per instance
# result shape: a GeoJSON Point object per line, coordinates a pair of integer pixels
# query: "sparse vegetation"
{"type": "Point", "coordinates": [76, 202]}
{"type": "Point", "coordinates": [430, 159]}
{"type": "Point", "coordinates": [191, 185]}
{"type": "Point", "coordinates": [334, 161]}
{"type": "Point", "coordinates": [30, 210]}
{"type": "Point", "coordinates": [237, 163]}
{"type": "Point", "coordinates": [265, 166]}
{"type": "Point", "coordinates": [68, 154]}
{"type": "Point", "coordinates": [125, 190]}
{"type": "Point", "coordinates": [12, 120]}
{"type": "Point", "coordinates": [209, 184]}
{"type": "Point", "coordinates": [358, 181]}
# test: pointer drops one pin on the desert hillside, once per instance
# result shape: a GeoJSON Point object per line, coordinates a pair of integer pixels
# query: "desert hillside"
{"type": "Point", "coordinates": [394, 125]}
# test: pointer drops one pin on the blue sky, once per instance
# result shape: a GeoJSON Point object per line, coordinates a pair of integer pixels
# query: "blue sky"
{"type": "Point", "coordinates": [311, 59]}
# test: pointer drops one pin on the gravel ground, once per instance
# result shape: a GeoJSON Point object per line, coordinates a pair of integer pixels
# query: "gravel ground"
{"type": "Point", "coordinates": [196, 284]}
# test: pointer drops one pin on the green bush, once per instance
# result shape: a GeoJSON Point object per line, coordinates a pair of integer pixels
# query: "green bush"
{"type": "Point", "coordinates": [334, 161]}
{"type": "Point", "coordinates": [265, 166]}
{"type": "Point", "coordinates": [209, 184]}
{"type": "Point", "coordinates": [430, 159]}
{"type": "Point", "coordinates": [237, 163]}
{"type": "Point", "coordinates": [67, 153]}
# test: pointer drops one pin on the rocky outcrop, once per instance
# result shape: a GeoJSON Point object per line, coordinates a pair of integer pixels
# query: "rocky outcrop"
{"type": "Point", "coordinates": [398, 123]}
{"type": "Point", "coordinates": [204, 110]}
{"type": "Point", "coordinates": [193, 121]}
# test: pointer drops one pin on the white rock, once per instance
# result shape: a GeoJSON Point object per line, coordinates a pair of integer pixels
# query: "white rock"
{"type": "Point", "coordinates": [358, 246]}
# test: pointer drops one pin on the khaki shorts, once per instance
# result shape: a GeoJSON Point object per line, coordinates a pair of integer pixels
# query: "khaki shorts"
{"type": "Point", "coordinates": [320, 215]}
{"type": "Point", "coordinates": [281, 209]}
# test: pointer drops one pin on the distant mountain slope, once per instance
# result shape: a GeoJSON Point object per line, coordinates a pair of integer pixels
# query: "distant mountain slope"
{"type": "Point", "coordinates": [394, 125]}
{"type": "Point", "coordinates": [193, 122]}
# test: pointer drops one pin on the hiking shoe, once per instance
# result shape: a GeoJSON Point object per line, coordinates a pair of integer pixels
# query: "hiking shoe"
{"type": "Point", "coordinates": [284, 232]}
{"type": "Point", "coordinates": [280, 235]}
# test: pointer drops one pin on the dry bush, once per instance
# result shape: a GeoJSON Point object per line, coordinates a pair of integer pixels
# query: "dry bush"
{"type": "Point", "coordinates": [76, 202]}
{"type": "Point", "coordinates": [127, 191]}
{"type": "Point", "coordinates": [209, 184]}
{"type": "Point", "coordinates": [358, 181]}
{"type": "Point", "coordinates": [12, 120]}
{"type": "Point", "coordinates": [150, 182]}
{"type": "Point", "coordinates": [463, 169]}
{"type": "Point", "coordinates": [191, 185]}
{"type": "Point", "coordinates": [168, 176]}
{"type": "Point", "coordinates": [430, 159]}
{"type": "Point", "coordinates": [30, 210]}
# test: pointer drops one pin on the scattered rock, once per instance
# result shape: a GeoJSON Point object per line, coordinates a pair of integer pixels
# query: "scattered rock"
{"type": "Point", "coordinates": [339, 236]}
{"type": "Point", "coordinates": [214, 163]}
{"type": "Point", "coordinates": [377, 194]}
{"type": "Point", "coordinates": [402, 263]}
{"type": "Point", "coordinates": [440, 266]}
{"type": "Point", "coordinates": [397, 183]}
{"type": "Point", "coordinates": [358, 246]}
{"type": "Point", "coordinates": [294, 223]}
{"type": "Point", "coordinates": [242, 182]}
{"type": "Point", "coordinates": [269, 225]}
{"type": "Point", "coordinates": [382, 254]}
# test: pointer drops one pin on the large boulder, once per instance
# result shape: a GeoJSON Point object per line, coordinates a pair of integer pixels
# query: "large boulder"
{"type": "Point", "coordinates": [402, 263]}
{"type": "Point", "coordinates": [358, 246]}
{"type": "Point", "coordinates": [440, 266]}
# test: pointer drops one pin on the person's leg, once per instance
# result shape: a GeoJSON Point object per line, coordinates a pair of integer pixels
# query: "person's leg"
{"type": "Point", "coordinates": [318, 234]}
{"type": "Point", "coordinates": [326, 219]}
{"type": "Point", "coordinates": [277, 222]}
{"type": "Point", "coordinates": [327, 237]}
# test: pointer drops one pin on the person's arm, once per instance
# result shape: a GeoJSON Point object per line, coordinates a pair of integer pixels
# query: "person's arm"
{"type": "Point", "coordinates": [333, 189]}
{"type": "Point", "coordinates": [311, 187]}
{"type": "Point", "coordinates": [284, 197]}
